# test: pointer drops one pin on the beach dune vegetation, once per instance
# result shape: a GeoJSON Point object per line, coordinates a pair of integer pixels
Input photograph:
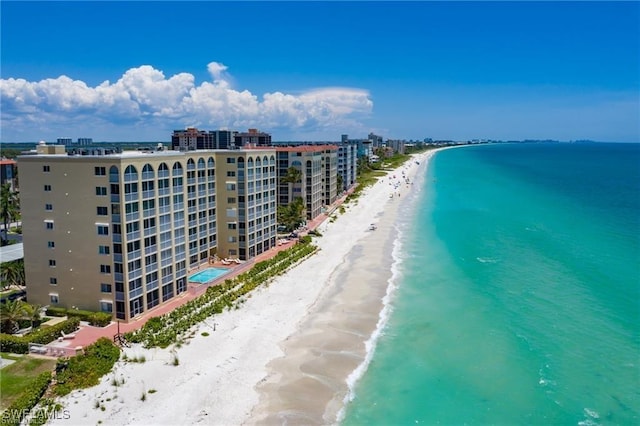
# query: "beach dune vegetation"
{"type": "Point", "coordinates": [172, 327]}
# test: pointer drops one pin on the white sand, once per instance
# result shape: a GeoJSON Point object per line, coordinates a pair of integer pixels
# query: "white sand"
{"type": "Point", "coordinates": [215, 380]}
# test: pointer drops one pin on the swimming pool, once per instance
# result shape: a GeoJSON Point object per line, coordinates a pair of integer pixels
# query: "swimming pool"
{"type": "Point", "coordinates": [207, 275]}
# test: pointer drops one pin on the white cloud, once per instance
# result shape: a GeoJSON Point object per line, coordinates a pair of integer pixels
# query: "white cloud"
{"type": "Point", "coordinates": [144, 96]}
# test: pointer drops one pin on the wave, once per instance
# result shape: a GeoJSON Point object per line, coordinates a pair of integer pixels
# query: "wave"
{"type": "Point", "coordinates": [486, 260]}
{"type": "Point", "coordinates": [402, 227]}
{"type": "Point", "coordinates": [385, 314]}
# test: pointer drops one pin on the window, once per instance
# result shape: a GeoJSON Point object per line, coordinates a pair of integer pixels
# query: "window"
{"type": "Point", "coordinates": [150, 241]}
{"type": "Point", "coordinates": [131, 207]}
{"type": "Point", "coordinates": [52, 262]}
{"type": "Point", "coordinates": [53, 281]}
{"type": "Point", "coordinates": [231, 200]}
{"type": "Point", "coordinates": [106, 306]}
{"type": "Point", "coordinates": [133, 246]}
{"type": "Point", "coordinates": [102, 211]}
{"type": "Point", "coordinates": [130, 188]}
{"type": "Point", "coordinates": [231, 160]}
{"type": "Point", "coordinates": [48, 207]}
{"type": "Point", "coordinates": [231, 186]}
{"type": "Point", "coordinates": [101, 191]}
{"type": "Point", "coordinates": [48, 225]}
{"type": "Point", "coordinates": [231, 173]}
{"type": "Point", "coordinates": [53, 298]}
{"type": "Point", "coordinates": [105, 269]}
{"type": "Point", "coordinates": [103, 229]}
{"type": "Point", "coordinates": [103, 250]}
{"type": "Point", "coordinates": [51, 244]}
{"type": "Point", "coordinates": [100, 171]}
{"type": "Point", "coordinates": [105, 288]}
{"type": "Point", "coordinates": [151, 259]}
{"type": "Point", "coordinates": [149, 223]}
{"type": "Point", "coordinates": [231, 225]}
{"type": "Point", "coordinates": [134, 265]}
{"type": "Point", "coordinates": [46, 169]}
{"type": "Point", "coordinates": [47, 188]}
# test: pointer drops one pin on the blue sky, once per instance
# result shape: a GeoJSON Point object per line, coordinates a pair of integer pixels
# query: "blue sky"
{"type": "Point", "coordinates": [125, 71]}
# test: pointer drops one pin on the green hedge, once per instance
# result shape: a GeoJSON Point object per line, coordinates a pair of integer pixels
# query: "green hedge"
{"type": "Point", "coordinates": [44, 335]}
{"type": "Point", "coordinates": [13, 415]}
{"type": "Point", "coordinates": [97, 319]}
{"type": "Point", "coordinates": [83, 371]}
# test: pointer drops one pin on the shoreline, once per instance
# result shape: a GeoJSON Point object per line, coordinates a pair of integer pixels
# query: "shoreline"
{"type": "Point", "coordinates": [222, 370]}
{"type": "Point", "coordinates": [331, 349]}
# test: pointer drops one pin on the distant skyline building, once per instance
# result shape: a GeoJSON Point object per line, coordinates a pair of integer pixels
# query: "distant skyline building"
{"type": "Point", "coordinates": [64, 141]}
{"type": "Point", "coordinates": [376, 140]}
{"type": "Point", "coordinates": [396, 145]}
{"type": "Point", "coordinates": [192, 139]}
{"type": "Point", "coordinates": [85, 141]}
{"type": "Point", "coordinates": [8, 173]}
{"type": "Point", "coordinates": [253, 138]}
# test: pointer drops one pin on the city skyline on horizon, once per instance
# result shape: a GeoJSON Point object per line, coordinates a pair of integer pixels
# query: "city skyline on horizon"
{"type": "Point", "coordinates": [402, 70]}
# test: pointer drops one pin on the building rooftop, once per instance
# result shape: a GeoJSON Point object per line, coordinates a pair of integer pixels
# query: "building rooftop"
{"type": "Point", "coordinates": [11, 252]}
{"type": "Point", "coordinates": [306, 148]}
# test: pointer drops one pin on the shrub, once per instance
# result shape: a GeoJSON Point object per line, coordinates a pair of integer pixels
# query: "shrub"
{"type": "Point", "coordinates": [98, 319]}
{"type": "Point", "coordinates": [20, 345]}
{"type": "Point", "coordinates": [85, 370]}
{"type": "Point", "coordinates": [18, 410]}
{"type": "Point", "coordinates": [56, 312]}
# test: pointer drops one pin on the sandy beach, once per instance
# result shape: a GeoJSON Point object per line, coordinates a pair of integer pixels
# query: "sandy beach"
{"type": "Point", "coordinates": [287, 354]}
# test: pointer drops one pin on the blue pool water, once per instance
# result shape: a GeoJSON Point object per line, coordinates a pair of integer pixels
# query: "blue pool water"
{"type": "Point", "coordinates": [208, 275]}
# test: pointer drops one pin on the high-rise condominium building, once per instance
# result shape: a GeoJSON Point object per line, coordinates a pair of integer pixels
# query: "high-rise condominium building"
{"type": "Point", "coordinates": [119, 232]}
{"type": "Point", "coordinates": [317, 165]}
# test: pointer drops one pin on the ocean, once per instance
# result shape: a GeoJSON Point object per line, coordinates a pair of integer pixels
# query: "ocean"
{"type": "Point", "coordinates": [517, 293]}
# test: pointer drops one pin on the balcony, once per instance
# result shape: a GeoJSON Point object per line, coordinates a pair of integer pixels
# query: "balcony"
{"type": "Point", "coordinates": [135, 293]}
{"type": "Point", "coordinates": [135, 274]}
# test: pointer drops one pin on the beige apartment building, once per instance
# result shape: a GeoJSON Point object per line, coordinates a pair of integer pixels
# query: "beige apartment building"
{"type": "Point", "coordinates": [119, 231]}
{"type": "Point", "coordinates": [318, 165]}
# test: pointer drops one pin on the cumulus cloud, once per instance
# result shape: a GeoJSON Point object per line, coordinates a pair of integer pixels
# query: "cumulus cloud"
{"type": "Point", "coordinates": [145, 96]}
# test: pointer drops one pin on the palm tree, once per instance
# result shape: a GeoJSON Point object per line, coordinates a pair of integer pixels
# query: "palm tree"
{"type": "Point", "coordinates": [9, 209]}
{"type": "Point", "coordinates": [339, 183]}
{"type": "Point", "coordinates": [11, 312]}
{"type": "Point", "coordinates": [292, 177]}
{"type": "Point", "coordinates": [12, 273]}
{"type": "Point", "coordinates": [33, 313]}
{"type": "Point", "coordinates": [292, 214]}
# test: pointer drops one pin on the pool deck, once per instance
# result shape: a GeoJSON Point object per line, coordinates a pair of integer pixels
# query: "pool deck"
{"type": "Point", "coordinates": [87, 334]}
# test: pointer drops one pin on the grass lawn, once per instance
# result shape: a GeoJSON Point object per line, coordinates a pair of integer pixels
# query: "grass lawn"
{"type": "Point", "coordinates": [15, 378]}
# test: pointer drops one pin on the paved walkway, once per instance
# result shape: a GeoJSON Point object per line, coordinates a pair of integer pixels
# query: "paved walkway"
{"type": "Point", "coordinates": [89, 334]}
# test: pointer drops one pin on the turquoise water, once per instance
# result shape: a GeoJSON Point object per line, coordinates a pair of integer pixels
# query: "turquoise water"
{"type": "Point", "coordinates": [519, 295]}
{"type": "Point", "coordinates": [207, 275]}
